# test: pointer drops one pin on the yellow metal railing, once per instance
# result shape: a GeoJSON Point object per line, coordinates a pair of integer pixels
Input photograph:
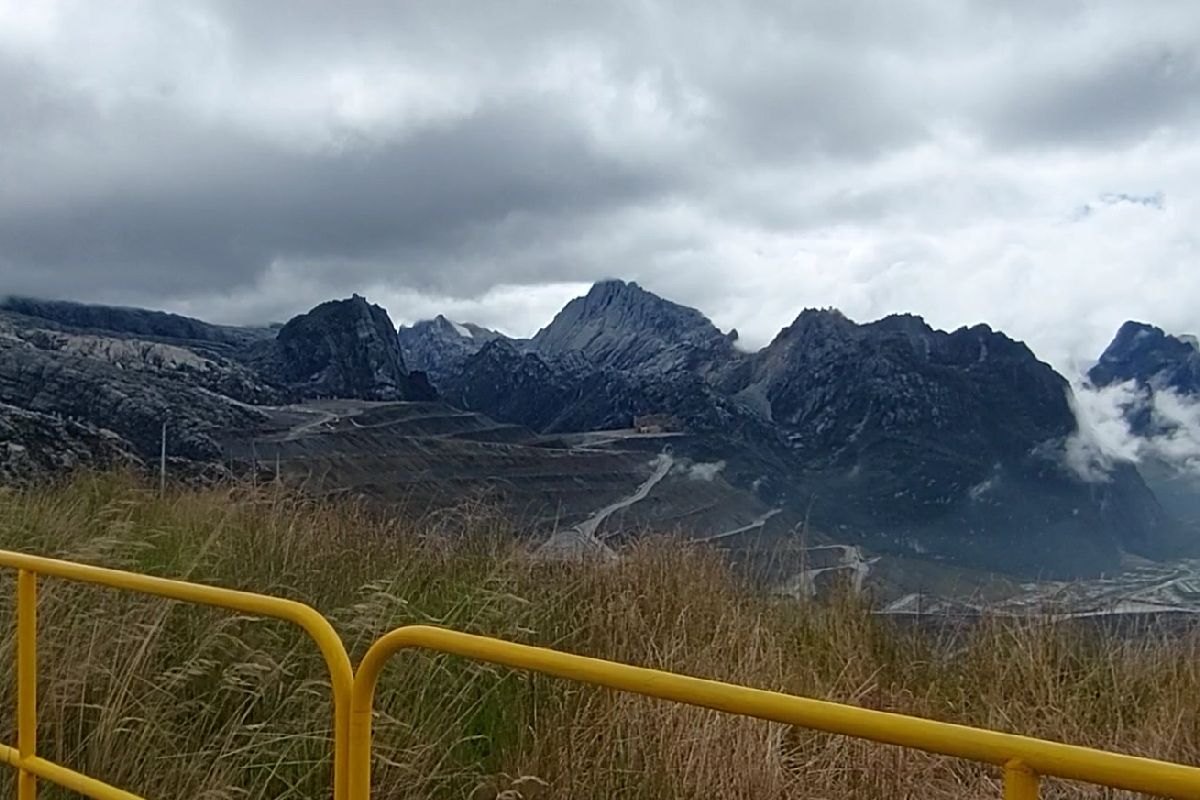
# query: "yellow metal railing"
{"type": "Point", "coordinates": [24, 756]}
{"type": "Point", "coordinates": [1023, 760]}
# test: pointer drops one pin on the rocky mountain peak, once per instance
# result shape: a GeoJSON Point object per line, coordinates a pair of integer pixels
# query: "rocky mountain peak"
{"type": "Point", "coordinates": [621, 325]}
{"type": "Point", "coordinates": [628, 298]}
{"type": "Point", "coordinates": [813, 324]}
{"type": "Point", "coordinates": [499, 351]}
{"type": "Point", "coordinates": [345, 348]}
{"type": "Point", "coordinates": [1150, 356]}
{"type": "Point", "coordinates": [445, 327]}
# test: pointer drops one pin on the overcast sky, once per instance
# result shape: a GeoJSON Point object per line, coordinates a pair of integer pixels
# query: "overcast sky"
{"type": "Point", "coordinates": [1034, 165]}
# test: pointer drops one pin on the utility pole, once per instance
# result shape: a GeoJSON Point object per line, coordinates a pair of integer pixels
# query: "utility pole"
{"type": "Point", "coordinates": [162, 462]}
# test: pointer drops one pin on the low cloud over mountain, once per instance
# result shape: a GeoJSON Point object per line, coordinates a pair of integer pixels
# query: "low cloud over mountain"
{"type": "Point", "coordinates": [1107, 433]}
{"type": "Point", "coordinates": [1140, 404]}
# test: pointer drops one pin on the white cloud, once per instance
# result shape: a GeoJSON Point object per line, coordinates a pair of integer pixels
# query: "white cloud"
{"type": "Point", "coordinates": [706, 471]}
{"type": "Point", "coordinates": [289, 289]}
{"type": "Point", "coordinates": [1179, 416]}
{"type": "Point", "coordinates": [1106, 438]}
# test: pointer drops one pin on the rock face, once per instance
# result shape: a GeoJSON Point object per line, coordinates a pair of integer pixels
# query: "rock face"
{"type": "Point", "coordinates": [945, 442]}
{"type": "Point", "coordinates": [568, 393]}
{"type": "Point", "coordinates": [34, 445]}
{"type": "Point", "coordinates": [343, 348]}
{"type": "Point", "coordinates": [196, 367]}
{"type": "Point", "coordinates": [131, 402]}
{"type": "Point", "coordinates": [1152, 358]}
{"type": "Point", "coordinates": [439, 347]}
{"type": "Point", "coordinates": [839, 387]}
{"type": "Point", "coordinates": [622, 326]}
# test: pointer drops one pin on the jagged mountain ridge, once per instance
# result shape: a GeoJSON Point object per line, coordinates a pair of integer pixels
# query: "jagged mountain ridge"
{"type": "Point", "coordinates": [912, 439]}
{"type": "Point", "coordinates": [890, 434]}
{"type": "Point", "coordinates": [124, 322]}
{"type": "Point", "coordinates": [927, 435]}
{"type": "Point", "coordinates": [1151, 357]}
{"type": "Point", "coordinates": [837, 384]}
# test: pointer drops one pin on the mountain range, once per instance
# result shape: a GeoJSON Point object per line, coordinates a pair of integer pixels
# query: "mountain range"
{"type": "Point", "coordinates": [626, 412]}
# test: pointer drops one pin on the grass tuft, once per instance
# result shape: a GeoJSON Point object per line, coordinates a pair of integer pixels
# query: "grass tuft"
{"type": "Point", "coordinates": [175, 701]}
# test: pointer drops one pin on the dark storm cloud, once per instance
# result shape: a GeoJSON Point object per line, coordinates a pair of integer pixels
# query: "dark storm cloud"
{"type": "Point", "coordinates": [1123, 98]}
{"type": "Point", "coordinates": [204, 213]}
{"type": "Point", "coordinates": [243, 160]}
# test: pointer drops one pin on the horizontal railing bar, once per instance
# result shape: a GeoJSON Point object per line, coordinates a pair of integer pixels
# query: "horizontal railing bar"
{"type": "Point", "coordinates": [1041, 756]}
{"type": "Point", "coordinates": [66, 778]}
{"type": "Point", "coordinates": [264, 605]}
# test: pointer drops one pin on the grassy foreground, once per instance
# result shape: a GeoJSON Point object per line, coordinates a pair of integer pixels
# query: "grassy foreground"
{"type": "Point", "coordinates": [175, 701]}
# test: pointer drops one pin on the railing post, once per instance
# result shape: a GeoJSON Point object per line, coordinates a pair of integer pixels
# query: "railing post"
{"type": "Point", "coordinates": [1020, 782]}
{"type": "Point", "coordinates": [358, 768]}
{"type": "Point", "coordinates": [26, 680]}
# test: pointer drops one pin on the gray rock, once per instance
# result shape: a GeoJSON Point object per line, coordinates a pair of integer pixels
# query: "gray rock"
{"type": "Point", "coordinates": [35, 446]}
{"type": "Point", "coordinates": [343, 348]}
{"type": "Point", "coordinates": [554, 395]}
{"type": "Point", "coordinates": [951, 443]}
{"type": "Point", "coordinates": [132, 403]}
{"type": "Point", "coordinates": [200, 367]}
{"type": "Point", "coordinates": [1152, 358]}
{"type": "Point", "coordinates": [439, 347]}
{"type": "Point", "coordinates": [622, 326]}
{"type": "Point", "coordinates": [139, 322]}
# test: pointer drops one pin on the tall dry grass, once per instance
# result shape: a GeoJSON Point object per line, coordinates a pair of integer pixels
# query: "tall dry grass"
{"type": "Point", "coordinates": [176, 701]}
